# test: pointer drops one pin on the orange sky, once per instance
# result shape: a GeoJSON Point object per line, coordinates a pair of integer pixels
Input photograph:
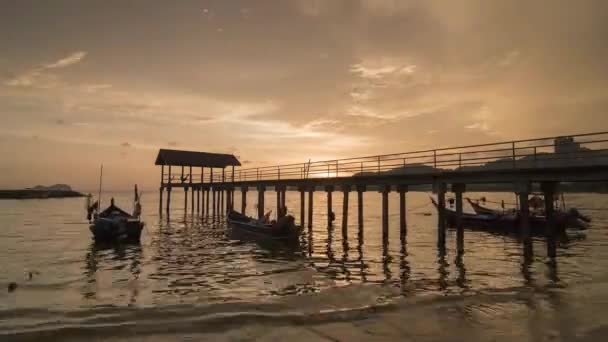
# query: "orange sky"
{"type": "Point", "coordinates": [90, 82]}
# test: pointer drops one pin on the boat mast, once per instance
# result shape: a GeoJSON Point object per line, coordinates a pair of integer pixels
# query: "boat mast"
{"type": "Point", "coordinates": [100, 182]}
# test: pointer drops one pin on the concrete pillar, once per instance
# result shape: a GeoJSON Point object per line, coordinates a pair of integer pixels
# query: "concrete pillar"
{"type": "Point", "coordinates": [261, 189]}
{"type": "Point", "coordinates": [345, 191]}
{"type": "Point", "coordinates": [310, 205]}
{"type": "Point", "coordinates": [441, 189]}
{"type": "Point", "coordinates": [402, 212]}
{"type": "Point", "coordinates": [243, 199]}
{"type": "Point", "coordinates": [302, 205]}
{"type": "Point", "coordinates": [549, 189]}
{"type": "Point", "coordinates": [360, 190]}
{"type": "Point", "coordinates": [385, 190]}
{"type": "Point", "coordinates": [330, 214]}
{"type": "Point", "coordinates": [458, 189]}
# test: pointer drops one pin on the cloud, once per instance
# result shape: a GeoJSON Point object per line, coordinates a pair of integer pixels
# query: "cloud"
{"type": "Point", "coordinates": [74, 58]}
{"type": "Point", "coordinates": [40, 77]}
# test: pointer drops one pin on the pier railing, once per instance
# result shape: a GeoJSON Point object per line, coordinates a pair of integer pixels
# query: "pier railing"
{"type": "Point", "coordinates": [557, 151]}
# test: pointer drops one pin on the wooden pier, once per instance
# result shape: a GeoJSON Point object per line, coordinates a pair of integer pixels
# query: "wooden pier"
{"type": "Point", "coordinates": [520, 165]}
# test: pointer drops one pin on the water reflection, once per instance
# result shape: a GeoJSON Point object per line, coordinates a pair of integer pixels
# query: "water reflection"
{"type": "Point", "coordinates": [121, 261]}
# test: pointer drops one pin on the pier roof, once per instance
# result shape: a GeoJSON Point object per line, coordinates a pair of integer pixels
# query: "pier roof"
{"type": "Point", "coordinates": [192, 158]}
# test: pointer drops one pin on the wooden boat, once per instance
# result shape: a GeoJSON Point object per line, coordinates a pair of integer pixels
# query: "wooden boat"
{"type": "Point", "coordinates": [115, 224]}
{"type": "Point", "coordinates": [247, 228]}
{"type": "Point", "coordinates": [508, 223]}
{"type": "Point", "coordinates": [569, 219]}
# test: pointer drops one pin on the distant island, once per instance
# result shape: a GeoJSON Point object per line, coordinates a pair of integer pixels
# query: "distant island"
{"type": "Point", "coordinates": [39, 191]}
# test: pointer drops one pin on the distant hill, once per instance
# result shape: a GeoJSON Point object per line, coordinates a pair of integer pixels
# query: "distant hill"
{"type": "Point", "coordinates": [55, 187]}
{"type": "Point", "coordinates": [40, 191]}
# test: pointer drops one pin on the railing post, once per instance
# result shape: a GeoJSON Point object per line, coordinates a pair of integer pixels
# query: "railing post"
{"type": "Point", "coordinates": [435, 159]}
{"type": "Point", "coordinates": [378, 164]}
{"type": "Point", "coordinates": [459, 160]}
{"type": "Point", "coordinates": [337, 169]}
{"type": "Point", "coordinates": [279, 172]}
{"type": "Point", "coordinates": [258, 173]}
{"type": "Point", "coordinates": [513, 147]}
{"type": "Point", "coordinates": [361, 167]}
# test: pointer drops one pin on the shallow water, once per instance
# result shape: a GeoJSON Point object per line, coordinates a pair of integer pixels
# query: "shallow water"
{"type": "Point", "coordinates": [190, 277]}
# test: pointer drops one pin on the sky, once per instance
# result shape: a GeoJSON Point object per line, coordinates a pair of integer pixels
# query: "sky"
{"type": "Point", "coordinates": [86, 82]}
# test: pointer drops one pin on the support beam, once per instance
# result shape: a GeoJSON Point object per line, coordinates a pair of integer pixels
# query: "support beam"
{"type": "Point", "coordinates": [549, 189]}
{"type": "Point", "coordinates": [458, 189]}
{"type": "Point", "coordinates": [214, 201]}
{"type": "Point", "coordinates": [330, 214]}
{"type": "Point", "coordinates": [198, 199]}
{"type": "Point", "coordinates": [311, 191]}
{"type": "Point", "coordinates": [207, 202]}
{"type": "Point", "coordinates": [402, 212]}
{"type": "Point", "coordinates": [279, 209]}
{"type": "Point", "coordinates": [261, 189]}
{"type": "Point", "coordinates": [345, 191]}
{"type": "Point", "coordinates": [185, 199]}
{"type": "Point", "coordinates": [360, 190]}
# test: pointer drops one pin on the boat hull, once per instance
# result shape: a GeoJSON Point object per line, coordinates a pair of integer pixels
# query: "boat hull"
{"type": "Point", "coordinates": [111, 230]}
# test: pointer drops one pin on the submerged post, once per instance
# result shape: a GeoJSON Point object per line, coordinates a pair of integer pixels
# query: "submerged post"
{"type": "Point", "coordinates": [169, 192]}
{"type": "Point", "coordinates": [330, 214]}
{"type": "Point", "coordinates": [360, 190]}
{"type": "Point", "coordinates": [243, 199]}
{"type": "Point", "coordinates": [345, 191]}
{"type": "Point", "coordinates": [160, 201]}
{"type": "Point", "coordinates": [523, 192]}
{"type": "Point", "coordinates": [311, 190]}
{"type": "Point", "coordinates": [385, 190]}
{"type": "Point", "coordinates": [301, 189]}
{"type": "Point", "coordinates": [441, 188]}
{"type": "Point", "coordinates": [261, 189]}
{"type": "Point", "coordinates": [549, 190]}
{"type": "Point", "coordinates": [402, 219]}
{"type": "Point", "coordinates": [458, 189]}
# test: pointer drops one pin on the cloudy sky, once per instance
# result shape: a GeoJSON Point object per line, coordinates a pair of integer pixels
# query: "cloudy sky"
{"type": "Point", "coordinates": [84, 82]}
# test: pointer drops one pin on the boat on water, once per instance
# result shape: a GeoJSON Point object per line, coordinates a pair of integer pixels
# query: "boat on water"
{"type": "Point", "coordinates": [244, 227]}
{"type": "Point", "coordinates": [508, 222]}
{"type": "Point", "coordinates": [113, 224]}
{"type": "Point", "coordinates": [571, 218]}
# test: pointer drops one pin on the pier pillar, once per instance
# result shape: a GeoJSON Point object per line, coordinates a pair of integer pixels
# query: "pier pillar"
{"type": "Point", "coordinates": [458, 189]}
{"type": "Point", "coordinates": [302, 190]}
{"type": "Point", "coordinates": [243, 199]}
{"type": "Point", "coordinates": [213, 201]}
{"type": "Point", "coordinates": [402, 189]}
{"type": "Point", "coordinates": [360, 190]}
{"type": "Point", "coordinates": [168, 200]}
{"type": "Point", "coordinates": [221, 211]}
{"type": "Point", "coordinates": [228, 200]}
{"type": "Point", "coordinates": [311, 191]}
{"type": "Point", "coordinates": [549, 189]}
{"type": "Point", "coordinates": [160, 201]}
{"type": "Point", "coordinates": [523, 192]}
{"type": "Point", "coordinates": [345, 191]}
{"type": "Point", "coordinates": [385, 190]}
{"type": "Point", "coordinates": [185, 198]}
{"type": "Point", "coordinates": [261, 189]}
{"type": "Point", "coordinates": [441, 189]}
{"type": "Point", "coordinates": [330, 214]}
{"type": "Point", "coordinates": [207, 190]}
{"type": "Point", "coordinates": [191, 187]}
{"type": "Point", "coordinates": [279, 208]}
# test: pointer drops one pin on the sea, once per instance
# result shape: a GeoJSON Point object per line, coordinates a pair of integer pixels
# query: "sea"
{"type": "Point", "coordinates": [189, 280]}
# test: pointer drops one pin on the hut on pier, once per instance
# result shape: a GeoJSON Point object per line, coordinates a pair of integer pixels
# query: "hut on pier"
{"type": "Point", "coordinates": [187, 160]}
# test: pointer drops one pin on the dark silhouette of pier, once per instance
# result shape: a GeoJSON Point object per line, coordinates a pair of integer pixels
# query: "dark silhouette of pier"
{"type": "Point", "coordinates": [522, 165]}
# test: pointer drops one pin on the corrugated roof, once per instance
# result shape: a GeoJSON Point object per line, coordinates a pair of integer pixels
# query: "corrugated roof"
{"type": "Point", "coordinates": [191, 158]}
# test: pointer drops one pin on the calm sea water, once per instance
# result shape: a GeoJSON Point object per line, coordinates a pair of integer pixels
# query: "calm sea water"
{"type": "Point", "coordinates": [188, 279]}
